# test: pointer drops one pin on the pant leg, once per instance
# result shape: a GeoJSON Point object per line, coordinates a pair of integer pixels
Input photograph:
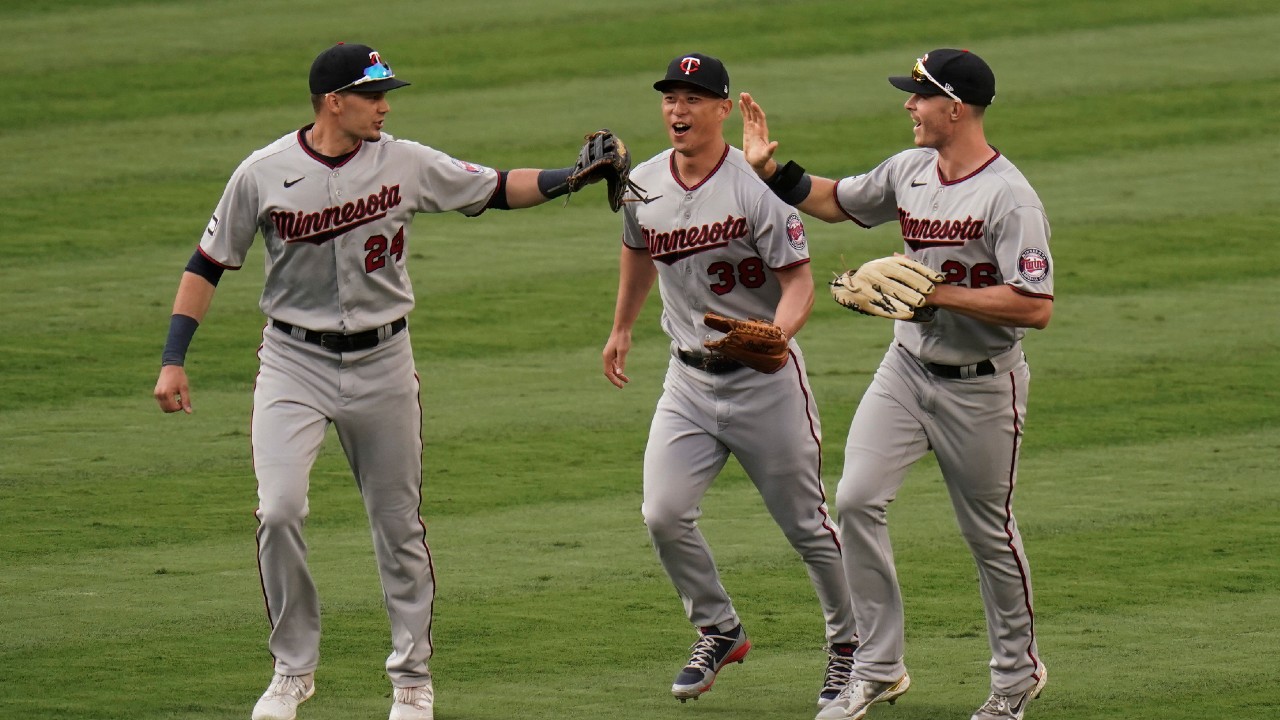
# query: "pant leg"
{"type": "Point", "coordinates": [776, 434]}
{"type": "Point", "coordinates": [977, 443]}
{"type": "Point", "coordinates": [379, 423]}
{"type": "Point", "coordinates": [681, 461]}
{"type": "Point", "coordinates": [885, 438]}
{"type": "Point", "coordinates": [287, 431]}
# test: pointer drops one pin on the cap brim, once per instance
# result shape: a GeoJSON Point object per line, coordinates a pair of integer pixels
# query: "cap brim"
{"type": "Point", "coordinates": [906, 83]}
{"type": "Point", "coordinates": [665, 85]}
{"type": "Point", "coordinates": [378, 86]}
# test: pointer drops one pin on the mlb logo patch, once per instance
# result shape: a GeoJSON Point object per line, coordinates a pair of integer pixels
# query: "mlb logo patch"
{"type": "Point", "coordinates": [1033, 265]}
{"type": "Point", "coordinates": [795, 232]}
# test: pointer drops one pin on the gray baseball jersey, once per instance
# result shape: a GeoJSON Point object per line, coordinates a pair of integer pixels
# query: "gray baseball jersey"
{"type": "Point", "coordinates": [336, 237]}
{"type": "Point", "coordinates": [955, 385]}
{"type": "Point", "coordinates": [985, 229]}
{"type": "Point", "coordinates": [716, 246]}
{"type": "Point", "coordinates": [337, 233]}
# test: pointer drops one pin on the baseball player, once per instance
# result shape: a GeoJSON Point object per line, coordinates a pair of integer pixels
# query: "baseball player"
{"type": "Point", "coordinates": [956, 384]}
{"type": "Point", "coordinates": [717, 240]}
{"type": "Point", "coordinates": [334, 202]}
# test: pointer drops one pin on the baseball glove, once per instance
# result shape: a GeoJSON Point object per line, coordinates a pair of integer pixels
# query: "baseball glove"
{"type": "Point", "coordinates": [605, 157]}
{"type": "Point", "coordinates": [891, 287]}
{"type": "Point", "coordinates": [758, 344]}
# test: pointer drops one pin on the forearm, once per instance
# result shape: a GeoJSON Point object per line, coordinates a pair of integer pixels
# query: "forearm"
{"type": "Point", "coordinates": [997, 305]}
{"type": "Point", "coordinates": [195, 295]}
{"type": "Point", "coordinates": [635, 280]}
{"type": "Point", "coordinates": [810, 194]}
{"type": "Point", "coordinates": [797, 299]}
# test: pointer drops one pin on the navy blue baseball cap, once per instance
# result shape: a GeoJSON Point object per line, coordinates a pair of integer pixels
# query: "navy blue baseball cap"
{"type": "Point", "coordinates": [353, 68]}
{"type": "Point", "coordinates": [698, 70]}
{"type": "Point", "coordinates": [958, 74]}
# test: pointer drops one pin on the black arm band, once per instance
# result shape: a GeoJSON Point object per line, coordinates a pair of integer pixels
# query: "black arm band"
{"type": "Point", "coordinates": [791, 183]}
{"type": "Point", "coordinates": [499, 200]}
{"type": "Point", "coordinates": [181, 329]}
{"type": "Point", "coordinates": [205, 268]}
{"type": "Point", "coordinates": [554, 183]}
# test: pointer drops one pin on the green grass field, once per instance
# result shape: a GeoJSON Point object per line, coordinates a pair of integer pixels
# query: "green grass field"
{"type": "Point", "coordinates": [1148, 495]}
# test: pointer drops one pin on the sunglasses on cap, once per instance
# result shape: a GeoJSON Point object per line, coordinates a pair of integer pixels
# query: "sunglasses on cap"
{"type": "Point", "coordinates": [920, 74]}
{"type": "Point", "coordinates": [373, 73]}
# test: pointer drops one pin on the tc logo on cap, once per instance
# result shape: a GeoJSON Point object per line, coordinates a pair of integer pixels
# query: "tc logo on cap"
{"type": "Point", "coordinates": [690, 65]}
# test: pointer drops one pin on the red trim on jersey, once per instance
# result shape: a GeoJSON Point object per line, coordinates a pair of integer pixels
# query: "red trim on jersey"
{"type": "Point", "coordinates": [1008, 520]}
{"type": "Point", "coordinates": [431, 566]}
{"type": "Point", "coordinates": [257, 534]}
{"type": "Point", "coordinates": [797, 263]}
{"type": "Point", "coordinates": [324, 159]}
{"type": "Point", "coordinates": [676, 175]}
{"type": "Point", "coordinates": [944, 181]}
{"type": "Point", "coordinates": [836, 196]}
{"type": "Point", "coordinates": [1027, 293]}
{"type": "Point", "coordinates": [215, 262]}
{"type": "Point", "coordinates": [813, 433]}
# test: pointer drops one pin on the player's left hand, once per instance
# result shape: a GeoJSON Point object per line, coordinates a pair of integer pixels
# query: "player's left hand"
{"type": "Point", "coordinates": [758, 344]}
{"type": "Point", "coordinates": [605, 157]}
{"type": "Point", "coordinates": [755, 135]}
{"type": "Point", "coordinates": [891, 287]}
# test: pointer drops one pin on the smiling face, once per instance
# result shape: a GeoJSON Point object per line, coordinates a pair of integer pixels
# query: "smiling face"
{"type": "Point", "coordinates": [934, 118]}
{"type": "Point", "coordinates": [694, 119]}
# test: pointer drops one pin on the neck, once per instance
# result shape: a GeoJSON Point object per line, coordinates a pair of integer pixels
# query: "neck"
{"type": "Point", "coordinates": [695, 167]}
{"type": "Point", "coordinates": [330, 141]}
{"type": "Point", "coordinates": [963, 156]}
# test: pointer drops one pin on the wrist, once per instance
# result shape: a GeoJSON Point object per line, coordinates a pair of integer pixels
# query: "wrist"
{"type": "Point", "coordinates": [181, 329]}
{"type": "Point", "coordinates": [790, 183]}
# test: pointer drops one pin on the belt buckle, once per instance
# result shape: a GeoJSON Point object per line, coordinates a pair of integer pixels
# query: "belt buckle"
{"type": "Point", "coordinates": [333, 342]}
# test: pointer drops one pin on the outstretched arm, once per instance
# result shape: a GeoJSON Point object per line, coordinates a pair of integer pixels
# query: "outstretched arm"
{"type": "Point", "coordinates": [820, 198]}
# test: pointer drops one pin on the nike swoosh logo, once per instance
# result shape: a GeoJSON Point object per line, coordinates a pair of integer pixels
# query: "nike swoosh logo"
{"type": "Point", "coordinates": [291, 183]}
{"type": "Point", "coordinates": [913, 184]}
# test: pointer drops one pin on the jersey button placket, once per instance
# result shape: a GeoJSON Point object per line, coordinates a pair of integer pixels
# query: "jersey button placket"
{"type": "Point", "coordinates": [340, 259]}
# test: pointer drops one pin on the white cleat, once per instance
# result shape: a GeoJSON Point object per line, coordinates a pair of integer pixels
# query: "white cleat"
{"type": "Point", "coordinates": [859, 695]}
{"type": "Point", "coordinates": [283, 696]}
{"type": "Point", "coordinates": [1011, 707]}
{"type": "Point", "coordinates": [413, 703]}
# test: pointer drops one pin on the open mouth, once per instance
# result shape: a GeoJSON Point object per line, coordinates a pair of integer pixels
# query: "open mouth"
{"type": "Point", "coordinates": [680, 128]}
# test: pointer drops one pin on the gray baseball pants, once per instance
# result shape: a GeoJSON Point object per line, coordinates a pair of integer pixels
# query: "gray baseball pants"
{"type": "Point", "coordinates": [770, 424]}
{"type": "Point", "coordinates": [371, 397]}
{"type": "Point", "coordinates": [974, 427]}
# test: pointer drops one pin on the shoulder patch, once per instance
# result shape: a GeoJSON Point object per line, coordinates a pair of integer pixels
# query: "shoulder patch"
{"type": "Point", "coordinates": [1033, 265]}
{"type": "Point", "coordinates": [213, 225]}
{"type": "Point", "coordinates": [795, 232]}
{"type": "Point", "coordinates": [469, 167]}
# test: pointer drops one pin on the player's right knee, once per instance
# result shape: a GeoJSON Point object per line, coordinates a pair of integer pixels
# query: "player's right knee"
{"type": "Point", "coordinates": [664, 524]}
{"type": "Point", "coordinates": [281, 511]}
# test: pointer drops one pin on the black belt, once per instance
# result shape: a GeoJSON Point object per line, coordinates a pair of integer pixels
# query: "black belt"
{"type": "Point", "coordinates": [709, 363]}
{"type": "Point", "coordinates": [337, 342]}
{"type": "Point", "coordinates": [956, 372]}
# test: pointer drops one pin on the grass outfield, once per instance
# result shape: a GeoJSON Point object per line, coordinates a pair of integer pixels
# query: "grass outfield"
{"type": "Point", "coordinates": [1148, 500]}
